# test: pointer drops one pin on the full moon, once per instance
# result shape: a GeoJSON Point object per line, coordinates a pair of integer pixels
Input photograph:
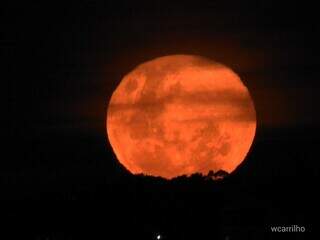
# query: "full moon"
{"type": "Point", "coordinates": [178, 115]}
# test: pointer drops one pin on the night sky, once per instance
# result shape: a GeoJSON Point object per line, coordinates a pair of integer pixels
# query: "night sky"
{"type": "Point", "coordinates": [62, 63]}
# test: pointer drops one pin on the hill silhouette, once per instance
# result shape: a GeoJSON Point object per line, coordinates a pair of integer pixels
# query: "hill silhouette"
{"type": "Point", "coordinates": [114, 203]}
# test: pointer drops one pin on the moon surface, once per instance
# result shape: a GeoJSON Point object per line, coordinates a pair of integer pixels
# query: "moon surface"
{"type": "Point", "coordinates": [180, 114]}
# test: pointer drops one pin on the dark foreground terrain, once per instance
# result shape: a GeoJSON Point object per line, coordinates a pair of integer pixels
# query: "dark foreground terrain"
{"type": "Point", "coordinates": [271, 188]}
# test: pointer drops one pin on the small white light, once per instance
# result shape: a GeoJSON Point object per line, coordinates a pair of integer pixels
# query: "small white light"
{"type": "Point", "coordinates": [159, 237]}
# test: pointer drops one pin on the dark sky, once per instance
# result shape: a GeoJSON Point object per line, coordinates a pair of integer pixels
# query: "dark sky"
{"type": "Point", "coordinates": [64, 61]}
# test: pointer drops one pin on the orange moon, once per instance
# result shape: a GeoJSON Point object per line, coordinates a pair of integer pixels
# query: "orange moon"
{"type": "Point", "coordinates": [181, 114]}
